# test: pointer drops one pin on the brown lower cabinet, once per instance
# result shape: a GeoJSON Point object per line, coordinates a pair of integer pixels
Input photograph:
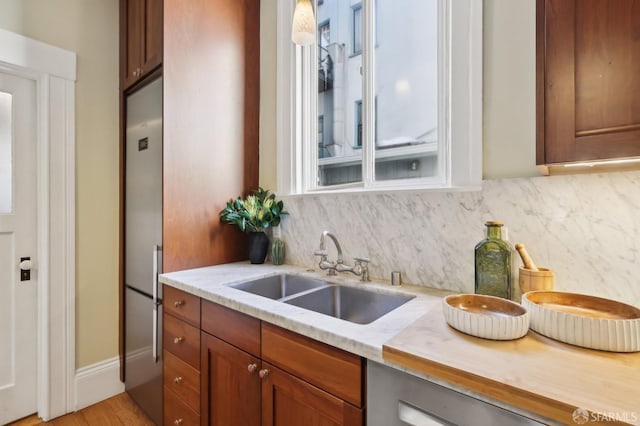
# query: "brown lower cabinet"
{"type": "Point", "coordinates": [288, 400]}
{"type": "Point", "coordinates": [256, 374]}
{"type": "Point", "coordinates": [230, 385]}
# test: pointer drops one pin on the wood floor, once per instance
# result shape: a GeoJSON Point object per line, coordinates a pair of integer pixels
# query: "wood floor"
{"type": "Point", "coordinates": [115, 411]}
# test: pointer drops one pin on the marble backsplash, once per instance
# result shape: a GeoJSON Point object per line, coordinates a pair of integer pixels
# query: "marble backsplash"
{"type": "Point", "coordinates": [584, 227]}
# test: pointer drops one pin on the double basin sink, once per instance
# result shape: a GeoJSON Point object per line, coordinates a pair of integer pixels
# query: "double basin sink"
{"type": "Point", "coordinates": [346, 303]}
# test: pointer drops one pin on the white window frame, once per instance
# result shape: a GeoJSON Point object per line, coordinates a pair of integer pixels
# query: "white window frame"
{"type": "Point", "coordinates": [460, 118]}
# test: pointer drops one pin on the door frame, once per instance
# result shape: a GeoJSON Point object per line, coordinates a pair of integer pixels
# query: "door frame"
{"type": "Point", "coordinates": [54, 71]}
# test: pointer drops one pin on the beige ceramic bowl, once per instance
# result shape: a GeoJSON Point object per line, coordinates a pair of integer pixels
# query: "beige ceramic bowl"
{"type": "Point", "coordinates": [488, 317]}
{"type": "Point", "coordinates": [587, 321]}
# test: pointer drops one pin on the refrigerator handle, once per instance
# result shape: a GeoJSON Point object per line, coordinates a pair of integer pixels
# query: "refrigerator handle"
{"type": "Point", "coordinates": [154, 353]}
{"type": "Point", "coordinates": [157, 250]}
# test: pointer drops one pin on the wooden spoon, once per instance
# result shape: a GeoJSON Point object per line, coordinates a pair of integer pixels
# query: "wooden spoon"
{"type": "Point", "coordinates": [526, 259]}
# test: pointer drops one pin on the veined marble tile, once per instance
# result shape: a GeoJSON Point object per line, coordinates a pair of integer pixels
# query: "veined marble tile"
{"type": "Point", "coordinates": [586, 228]}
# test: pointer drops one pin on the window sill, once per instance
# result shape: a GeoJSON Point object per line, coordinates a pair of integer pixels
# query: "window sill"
{"type": "Point", "coordinates": [356, 190]}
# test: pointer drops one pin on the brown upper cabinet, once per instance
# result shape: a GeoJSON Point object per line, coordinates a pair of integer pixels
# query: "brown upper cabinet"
{"type": "Point", "coordinates": [141, 39]}
{"type": "Point", "coordinates": [588, 80]}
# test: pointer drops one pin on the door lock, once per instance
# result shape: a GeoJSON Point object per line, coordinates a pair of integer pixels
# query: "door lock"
{"type": "Point", "coordinates": [25, 268]}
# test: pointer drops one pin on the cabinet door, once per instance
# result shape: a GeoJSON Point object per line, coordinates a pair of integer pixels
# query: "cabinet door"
{"type": "Point", "coordinates": [141, 38]}
{"type": "Point", "coordinates": [131, 14]}
{"type": "Point", "coordinates": [588, 86]}
{"type": "Point", "coordinates": [289, 401]}
{"type": "Point", "coordinates": [151, 50]}
{"type": "Point", "coordinates": [230, 388]}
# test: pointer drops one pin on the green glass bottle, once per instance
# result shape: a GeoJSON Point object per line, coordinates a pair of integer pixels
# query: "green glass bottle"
{"type": "Point", "coordinates": [493, 263]}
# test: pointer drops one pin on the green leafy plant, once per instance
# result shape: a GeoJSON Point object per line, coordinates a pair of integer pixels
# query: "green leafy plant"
{"type": "Point", "coordinates": [255, 213]}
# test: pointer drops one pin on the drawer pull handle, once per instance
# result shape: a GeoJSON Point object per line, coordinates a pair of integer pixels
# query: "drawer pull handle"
{"type": "Point", "coordinates": [252, 367]}
{"type": "Point", "coordinates": [263, 373]}
{"type": "Point", "coordinates": [177, 422]}
{"type": "Point", "coordinates": [178, 303]}
{"type": "Point", "coordinates": [178, 340]}
{"type": "Point", "coordinates": [177, 380]}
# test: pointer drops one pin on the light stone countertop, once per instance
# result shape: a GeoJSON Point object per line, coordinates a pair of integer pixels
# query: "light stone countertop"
{"type": "Point", "coordinates": [213, 283]}
{"type": "Point", "coordinates": [366, 340]}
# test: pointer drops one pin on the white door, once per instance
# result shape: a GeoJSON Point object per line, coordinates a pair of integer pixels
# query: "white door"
{"type": "Point", "coordinates": [18, 299]}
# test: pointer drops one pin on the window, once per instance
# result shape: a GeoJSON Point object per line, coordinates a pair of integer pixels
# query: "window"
{"type": "Point", "coordinates": [358, 123]}
{"type": "Point", "coordinates": [356, 33]}
{"type": "Point", "coordinates": [325, 63]}
{"type": "Point", "coordinates": [323, 150]}
{"type": "Point", "coordinates": [405, 113]}
{"type": "Point", "coordinates": [6, 173]}
{"type": "Point", "coordinates": [324, 35]}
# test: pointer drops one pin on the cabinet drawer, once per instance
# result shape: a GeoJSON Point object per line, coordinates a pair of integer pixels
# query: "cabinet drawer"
{"type": "Point", "coordinates": [181, 305]}
{"type": "Point", "coordinates": [334, 370]}
{"type": "Point", "coordinates": [238, 329]}
{"type": "Point", "coordinates": [177, 412]}
{"type": "Point", "coordinates": [182, 379]}
{"type": "Point", "coordinates": [182, 340]}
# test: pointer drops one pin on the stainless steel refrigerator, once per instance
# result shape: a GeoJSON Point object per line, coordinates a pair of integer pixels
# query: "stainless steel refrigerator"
{"type": "Point", "coordinates": [143, 248]}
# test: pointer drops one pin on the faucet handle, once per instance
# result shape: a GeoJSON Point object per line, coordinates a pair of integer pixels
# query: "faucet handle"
{"type": "Point", "coordinates": [362, 264]}
{"type": "Point", "coordinates": [322, 253]}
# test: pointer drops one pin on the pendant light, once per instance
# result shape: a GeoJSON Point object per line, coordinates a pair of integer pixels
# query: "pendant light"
{"type": "Point", "coordinates": [303, 32]}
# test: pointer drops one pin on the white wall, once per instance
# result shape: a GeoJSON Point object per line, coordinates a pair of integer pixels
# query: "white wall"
{"type": "Point", "coordinates": [268, 175]}
{"type": "Point", "coordinates": [509, 89]}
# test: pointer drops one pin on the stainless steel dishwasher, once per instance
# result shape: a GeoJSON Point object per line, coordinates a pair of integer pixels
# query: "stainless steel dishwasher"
{"type": "Point", "coordinates": [395, 398]}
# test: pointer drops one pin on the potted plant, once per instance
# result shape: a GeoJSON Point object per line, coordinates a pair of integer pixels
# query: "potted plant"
{"type": "Point", "coordinates": [253, 215]}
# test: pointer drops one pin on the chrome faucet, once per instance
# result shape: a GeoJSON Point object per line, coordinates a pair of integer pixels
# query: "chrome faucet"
{"type": "Point", "coordinates": [360, 268]}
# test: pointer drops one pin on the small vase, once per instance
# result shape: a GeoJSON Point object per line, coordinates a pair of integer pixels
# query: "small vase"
{"type": "Point", "coordinates": [258, 247]}
{"type": "Point", "coordinates": [277, 251]}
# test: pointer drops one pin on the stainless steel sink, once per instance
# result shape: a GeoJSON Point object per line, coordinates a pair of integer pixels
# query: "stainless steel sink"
{"type": "Point", "coordinates": [348, 303]}
{"type": "Point", "coordinates": [279, 286]}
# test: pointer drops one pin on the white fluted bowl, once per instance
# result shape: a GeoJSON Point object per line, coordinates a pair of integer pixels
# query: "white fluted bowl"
{"type": "Point", "coordinates": [488, 317]}
{"type": "Point", "coordinates": [582, 320]}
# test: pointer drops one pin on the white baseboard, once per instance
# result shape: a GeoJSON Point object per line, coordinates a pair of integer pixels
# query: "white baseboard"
{"type": "Point", "coordinates": [97, 382]}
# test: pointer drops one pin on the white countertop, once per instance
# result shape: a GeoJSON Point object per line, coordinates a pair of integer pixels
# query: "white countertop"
{"type": "Point", "coordinates": [213, 283]}
{"type": "Point", "coordinates": [366, 340]}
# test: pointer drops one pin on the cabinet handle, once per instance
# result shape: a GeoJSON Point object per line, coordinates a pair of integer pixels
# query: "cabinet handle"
{"type": "Point", "coordinates": [178, 340]}
{"type": "Point", "coordinates": [178, 303]}
{"type": "Point", "coordinates": [177, 380]}
{"type": "Point", "coordinates": [177, 422]}
{"type": "Point", "coordinates": [263, 373]}
{"type": "Point", "coordinates": [252, 367]}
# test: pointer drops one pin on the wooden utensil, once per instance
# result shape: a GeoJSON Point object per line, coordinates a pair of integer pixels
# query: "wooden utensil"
{"type": "Point", "coordinates": [526, 259]}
